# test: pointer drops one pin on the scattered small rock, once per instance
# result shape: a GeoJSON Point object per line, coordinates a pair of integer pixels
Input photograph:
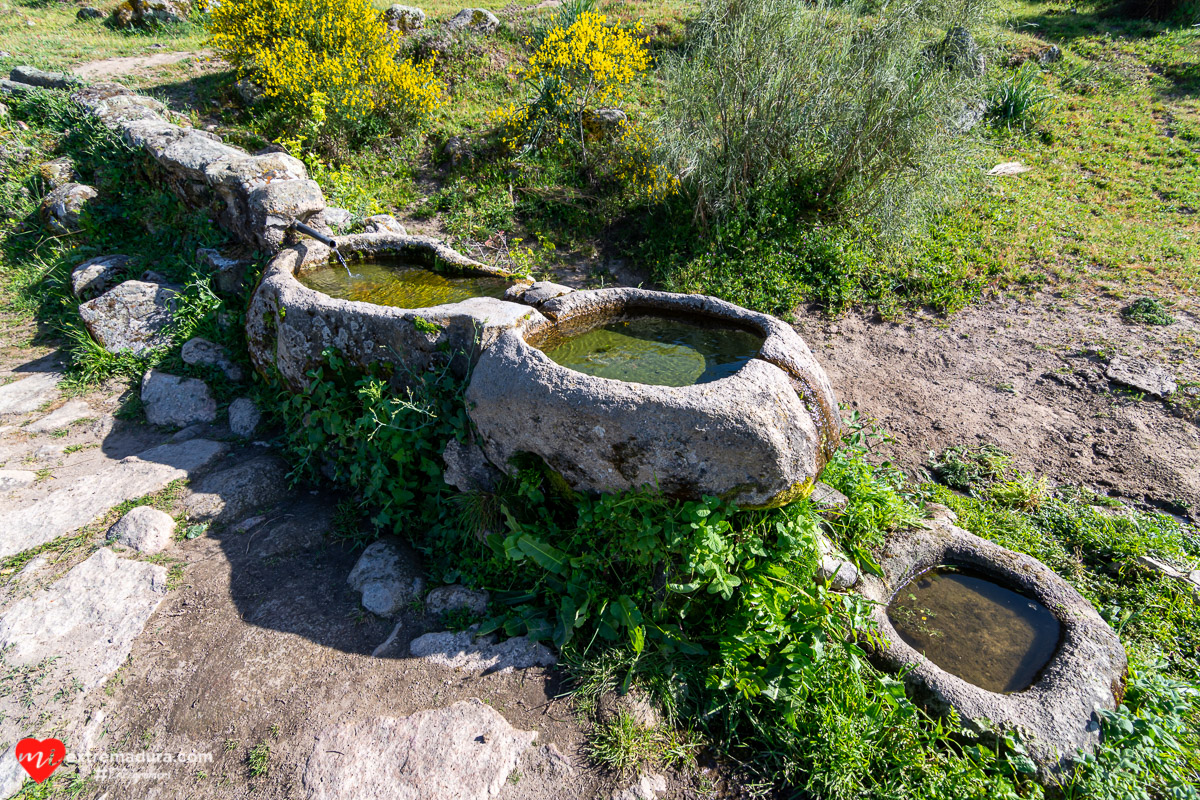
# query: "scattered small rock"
{"type": "Point", "coordinates": [604, 120]}
{"type": "Point", "coordinates": [133, 316]}
{"type": "Point", "coordinates": [973, 112]}
{"type": "Point", "coordinates": [15, 479]}
{"type": "Point", "coordinates": [1008, 168]}
{"type": "Point", "coordinates": [1048, 55]}
{"type": "Point", "coordinates": [834, 570]}
{"type": "Point", "coordinates": [244, 417]}
{"type": "Point", "coordinates": [1141, 375]}
{"type": "Point", "coordinates": [97, 274]}
{"type": "Point", "coordinates": [148, 13]}
{"type": "Point", "coordinates": [202, 351]}
{"type": "Point", "coordinates": [404, 19]}
{"type": "Point", "coordinates": [648, 787]}
{"type": "Point", "coordinates": [144, 529]}
{"type": "Point", "coordinates": [380, 576]}
{"type": "Point", "coordinates": [175, 401]}
{"type": "Point", "coordinates": [58, 172]}
{"type": "Point", "coordinates": [383, 223]}
{"type": "Point", "coordinates": [479, 20]}
{"type": "Point", "coordinates": [61, 208]}
{"type": "Point", "coordinates": [250, 92]}
{"type": "Point", "coordinates": [464, 651]}
{"type": "Point", "coordinates": [536, 293]}
{"type": "Point", "coordinates": [457, 149]}
{"type": "Point", "coordinates": [455, 597]}
{"type": "Point", "coordinates": [827, 499]}
{"type": "Point", "coordinates": [88, 13]}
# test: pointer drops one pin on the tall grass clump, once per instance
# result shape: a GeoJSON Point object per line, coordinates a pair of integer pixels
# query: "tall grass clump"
{"type": "Point", "coordinates": [838, 111]}
{"type": "Point", "coordinates": [1015, 100]}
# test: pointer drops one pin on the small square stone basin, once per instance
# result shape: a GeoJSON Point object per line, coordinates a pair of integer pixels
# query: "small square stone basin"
{"type": "Point", "coordinates": [976, 628]}
{"type": "Point", "coordinates": [400, 281]}
{"type": "Point", "coordinates": [652, 348]}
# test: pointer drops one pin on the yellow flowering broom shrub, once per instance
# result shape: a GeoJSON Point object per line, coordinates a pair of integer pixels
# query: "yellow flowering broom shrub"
{"type": "Point", "coordinates": [576, 68]}
{"type": "Point", "coordinates": [330, 66]}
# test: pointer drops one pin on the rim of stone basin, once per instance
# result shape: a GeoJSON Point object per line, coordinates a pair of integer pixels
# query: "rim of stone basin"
{"type": "Point", "coordinates": [1057, 713]}
{"type": "Point", "coordinates": [781, 346]}
{"type": "Point", "coordinates": [289, 326]}
{"type": "Point", "coordinates": [759, 436]}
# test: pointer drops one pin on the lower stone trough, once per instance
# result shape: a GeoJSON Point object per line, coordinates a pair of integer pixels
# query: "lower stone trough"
{"type": "Point", "coordinates": [997, 636]}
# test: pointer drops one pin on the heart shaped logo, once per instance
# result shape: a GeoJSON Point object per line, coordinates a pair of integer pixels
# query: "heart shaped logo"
{"type": "Point", "coordinates": [40, 758]}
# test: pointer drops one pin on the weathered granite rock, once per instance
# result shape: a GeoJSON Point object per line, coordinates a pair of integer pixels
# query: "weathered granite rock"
{"type": "Point", "coordinates": [1058, 713]}
{"type": "Point", "coordinates": [175, 401]}
{"type": "Point", "coordinates": [604, 120]}
{"type": "Point", "coordinates": [1141, 375]}
{"type": "Point", "coordinates": [133, 316]}
{"type": "Point", "coordinates": [28, 394]}
{"type": "Point", "coordinates": [960, 52]}
{"type": "Point", "coordinates": [380, 575]}
{"type": "Point", "coordinates": [455, 597]}
{"type": "Point", "coordinates": [383, 223]}
{"type": "Point", "coordinates": [250, 92]}
{"type": "Point", "coordinates": [464, 752]}
{"type": "Point", "coordinates": [15, 479]}
{"type": "Point", "coordinates": [88, 620]}
{"type": "Point", "coordinates": [289, 326]}
{"type": "Point", "coordinates": [232, 493]}
{"type": "Point", "coordinates": [759, 437]}
{"type": "Point", "coordinates": [149, 13]}
{"type": "Point", "coordinates": [33, 76]}
{"type": "Point", "coordinates": [275, 206]}
{"type": "Point", "coordinates": [61, 208]}
{"type": "Point", "coordinates": [144, 529]}
{"type": "Point", "coordinates": [479, 20]}
{"type": "Point", "coordinates": [458, 149]}
{"type": "Point", "coordinates": [467, 652]}
{"type": "Point", "coordinates": [338, 218]}
{"type": "Point", "coordinates": [63, 417]}
{"type": "Point", "coordinates": [96, 275]}
{"type": "Point", "coordinates": [244, 417]}
{"type": "Point", "coordinates": [58, 172]}
{"type": "Point", "coordinates": [89, 13]}
{"type": "Point", "coordinates": [467, 468]}
{"type": "Point", "coordinates": [405, 19]}
{"type": "Point", "coordinates": [201, 351]}
{"type": "Point", "coordinates": [826, 499]}
{"type": "Point", "coordinates": [228, 273]}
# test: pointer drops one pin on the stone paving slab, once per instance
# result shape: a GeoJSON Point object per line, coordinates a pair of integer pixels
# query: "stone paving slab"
{"type": "Point", "coordinates": [77, 504]}
{"type": "Point", "coordinates": [29, 394]}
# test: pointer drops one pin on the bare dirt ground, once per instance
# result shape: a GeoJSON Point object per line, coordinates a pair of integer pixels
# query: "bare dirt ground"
{"type": "Point", "coordinates": [109, 68]}
{"type": "Point", "coordinates": [1028, 376]}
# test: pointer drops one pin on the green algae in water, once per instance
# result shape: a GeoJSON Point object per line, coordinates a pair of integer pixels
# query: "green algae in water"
{"type": "Point", "coordinates": [403, 284]}
{"type": "Point", "coordinates": [659, 350]}
{"type": "Point", "coordinates": [975, 628]}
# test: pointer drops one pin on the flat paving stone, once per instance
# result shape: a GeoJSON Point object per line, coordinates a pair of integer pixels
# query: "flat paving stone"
{"type": "Point", "coordinates": [62, 417]}
{"type": "Point", "coordinates": [74, 506]}
{"type": "Point", "coordinates": [88, 620]}
{"type": "Point", "coordinates": [29, 394]}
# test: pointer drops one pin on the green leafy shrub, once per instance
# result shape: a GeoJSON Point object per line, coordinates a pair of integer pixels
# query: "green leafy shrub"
{"type": "Point", "coordinates": [1147, 311]}
{"type": "Point", "coordinates": [848, 115]}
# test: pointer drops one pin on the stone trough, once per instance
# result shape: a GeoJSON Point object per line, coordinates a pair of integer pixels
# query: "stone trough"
{"type": "Point", "coordinates": [290, 326]}
{"type": "Point", "coordinates": [1058, 713]}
